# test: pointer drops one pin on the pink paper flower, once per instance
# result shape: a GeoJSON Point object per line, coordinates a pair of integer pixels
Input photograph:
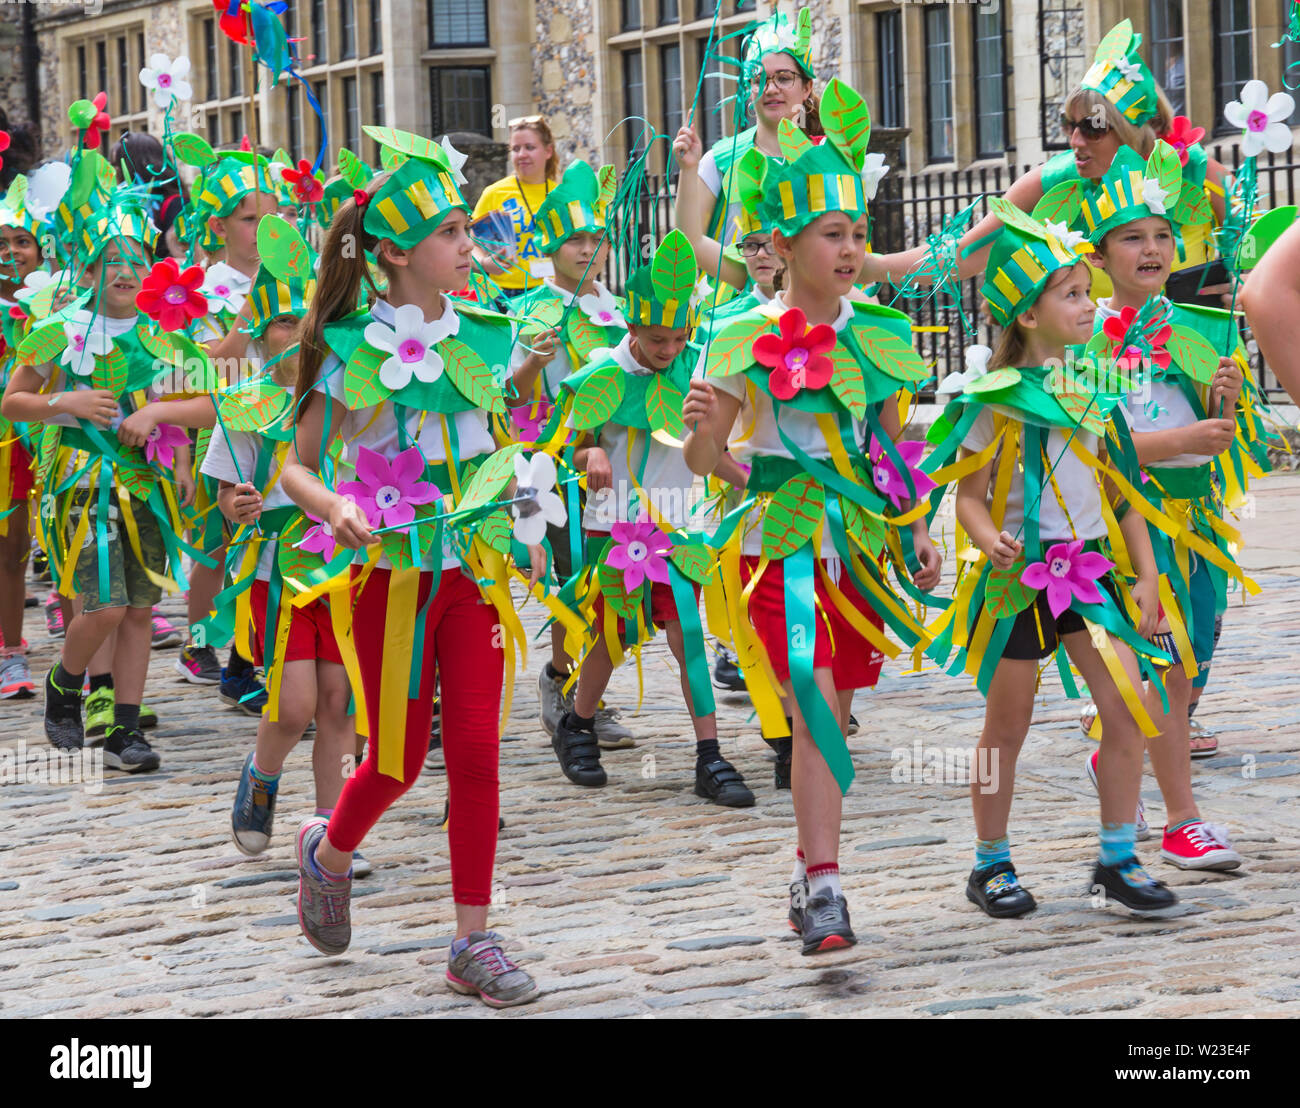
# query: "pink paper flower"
{"type": "Point", "coordinates": [389, 491]}
{"type": "Point", "coordinates": [889, 481]}
{"type": "Point", "coordinates": [531, 426]}
{"type": "Point", "coordinates": [319, 539]}
{"type": "Point", "coordinates": [1067, 572]}
{"type": "Point", "coordinates": [161, 445]}
{"type": "Point", "coordinates": [640, 550]}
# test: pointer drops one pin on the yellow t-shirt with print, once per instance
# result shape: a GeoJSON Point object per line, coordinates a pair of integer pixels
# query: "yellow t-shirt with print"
{"type": "Point", "coordinates": [520, 202]}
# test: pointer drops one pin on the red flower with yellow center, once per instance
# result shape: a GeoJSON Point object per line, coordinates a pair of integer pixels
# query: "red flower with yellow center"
{"type": "Point", "coordinates": [797, 356]}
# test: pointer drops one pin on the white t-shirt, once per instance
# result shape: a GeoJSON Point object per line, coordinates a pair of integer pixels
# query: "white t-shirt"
{"type": "Point", "coordinates": [102, 325]}
{"type": "Point", "coordinates": [219, 276]}
{"type": "Point", "coordinates": [219, 463]}
{"type": "Point", "coordinates": [559, 367]}
{"type": "Point", "coordinates": [666, 478]}
{"type": "Point", "coordinates": [1074, 478]}
{"type": "Point", "coordinates": [801, 428]}
{"type": "Point", "coordinates": [377, 428]}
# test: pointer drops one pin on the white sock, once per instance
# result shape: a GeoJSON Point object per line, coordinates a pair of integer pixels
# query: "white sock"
{"type": "Point", "coordinates": [825, 882]}
{"type": "Point", "coordinates": [800, 871]}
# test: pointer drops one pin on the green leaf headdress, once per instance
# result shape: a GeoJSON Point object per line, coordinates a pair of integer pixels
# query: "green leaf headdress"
{"type": "Point", "coordinates": [230, 181]}
{"type": "Point", "coordinates": [662, 293]}
{"type": "Point", "coordinates": [1024, 256]}
{"type": "Point", "coordinates": [777, 35]}
{"type": "Point", "coordinates": [285, 281]}
{"type": "Point", "coordinates": [353, 174]}
{"type": "Point", "coordinates": [1120, 75]}
{"type": "Point", "coordinates": [1132, 189]}
{"type": "Point", "coordinates": [576, 204]}
{"type": "Point", "coordinates": [814, 180]}
{"type": "Point", "coordinates": [419, 192]}
{"type": "Point", "coordinates": [13, 209]}
{"type": "Point", "coordinates": [122, 219]}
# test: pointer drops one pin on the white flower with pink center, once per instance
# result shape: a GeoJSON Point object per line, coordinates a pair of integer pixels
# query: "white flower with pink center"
{"type": "Point", "coordinates": [1262, 119]}
{"type": "Point", "coordinates": [601, 307]}
{"type": "Point", "coordinates": [167, 79]}
{"type": "Point", "coordinates": [84, 344]}
{"type": "Point", "coordinates": [409, 344]}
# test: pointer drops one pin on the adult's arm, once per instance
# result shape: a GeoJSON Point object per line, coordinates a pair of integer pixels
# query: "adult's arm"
{"type": "Point", "coordinates": [1271, 300]}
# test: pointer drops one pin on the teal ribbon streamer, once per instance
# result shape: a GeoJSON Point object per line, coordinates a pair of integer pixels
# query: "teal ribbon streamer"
{"type": "Point", "coordinates": [696, 658]}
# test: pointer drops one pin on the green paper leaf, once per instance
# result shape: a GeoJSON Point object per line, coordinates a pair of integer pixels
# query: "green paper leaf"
{"type": "Point", "coordinates": [497, 530]}
{"type": "Point", "coordinates": [1193, 206]}
{"type": "Point", "coordinates": [1115, 45]}
{"type": "Point", "coordinates": [139, 482]}
{"type": "Point", "coordinates": [1013, 216]}
{"type": "Point", "coordinates": [672, 270]}
{"type": "Point", "coordinates": [1164, 167]}
{"type": "Point", "coordinates": [1081, 405]}
{"type": "Point", "coordinates": [891, 354]}
{"type": "Point", "coordinates": [793, 142]}
{"type": "Point", "coordinates": [846, 382]}
{"type": "Point", "coordinates": [747, 176]}
{"type": "Point", "coordinates": [611, 588]}
{"type": "Point", "coordinates": [732, 349]}
{"type": "Point", "coordinates": [1004, 594]}
{"type": "Point", "coordinates": [793, 515]}
{"type": "Point", "coordinates": [993, 380]}
{"type": "Point", "coordinates": [663, 406]}
{"type": "Point", "coordinates": [846, 120]}
{"type": "Point", "coordinates": [543, 314]}
{"type": "Point", "coordinates": [111, 372]}
{"type": "Point", "coordinates": [1265, 231]}
{"type": "Point", "coordinates": [353, 169]}
{"type": "Point", "coordinates": [1061, 204]}
{"type": "Point", "coordinates": [607, 176]}
{"type": "Point", "coordinates": [16, 193]}
{"type": "Point", "coordinates": [282, 249]}
{"type": "Point", "coordinates": [471, 375]}
{"type": "Point", "coordinates": [868, 529]}
{"type": "Point", "coordinates": [585, 335]}
{"type": "Point", "coordinates": [193, 150]}
{"type": "Point", "coordinates": [361, 385]}
{"type": "Point", "coordinates": [43, 345]}
{"type": "Point", "coordinates": [490, 478]}
{"type": "Point", "coordinates": [253, 406]}
{"type": "Point", "coordinates": [85, 179]}
{"type": "Point", "coordinates": [404, 142]}
{"type": "Point", "coordinates": [598, 397]}
{"type": "Point", "coordinates": [694, 560]}
{"type": "Point", "coordinates": [1193, 354]}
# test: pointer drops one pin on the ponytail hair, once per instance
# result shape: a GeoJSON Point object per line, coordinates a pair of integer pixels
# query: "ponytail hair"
{"type": "Point", "coordinates": [338, 287]}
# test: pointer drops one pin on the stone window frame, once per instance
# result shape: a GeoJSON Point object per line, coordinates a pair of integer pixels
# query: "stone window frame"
{"type": "Point", "coordinates": [1049, 113]}
{"type": "Point", "coordinates": [983, 150]}
{"type": "Point", "coordinates": [435, 127]}
{"type": "Point", "coordinates": [1160, 40]}
{"type": "Point", "coordinates": [468, 43]}
{"type": "Point", "coordinates": [1227, 86]}
{"type": "Point", "coordinates": [934, 51]}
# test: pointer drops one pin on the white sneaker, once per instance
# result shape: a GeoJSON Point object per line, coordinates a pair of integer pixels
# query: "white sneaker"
{"type": "Point", "coordinates": [610, 734]}
{"type": "Point", "coordinates": [554, 702]}
{"type": "Point", "coordinates": [1141, 831]}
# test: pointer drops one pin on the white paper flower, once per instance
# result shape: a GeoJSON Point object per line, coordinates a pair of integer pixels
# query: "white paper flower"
{"type": "Point", "coordinates": [275, 170]}
{"type": "Point", "coordinates": [456, 158]}
{"type": "Point", "coordinates": [1153, 196]}
{"type": "Point", "coordinates": [410, 345]}
{"type": "Point", "coordinates": [1062, 233]}
{"type": "Point", "coordinates": [702, 291]}
{"type": "Point", "coordinates": [536, 502]}
{"type": "Point", "coordinates": [602, 307]}
{"type": "Point", "coordinates": [36, 280]}
{"type": "Point", "coordinates": [1261, 118]}
{"type": "Point", "coordinates": [1131, 70]}
{"type": "Point", "coordinates": [873, 169]}
{"type": "Point", "coordinates": [225, 287]}
{"type": "Point", "coordinates": [84, 344]}
{"type": "Point", "coordinates": [167, 79]}
{"type": "Point", "coordinates": [977, 364]}
{"type": "Point", "coordinates": [45, 188]}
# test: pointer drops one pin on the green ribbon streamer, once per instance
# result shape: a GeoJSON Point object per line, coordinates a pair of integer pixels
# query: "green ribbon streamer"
{"type": "Point", "coordinates": [696, 658]}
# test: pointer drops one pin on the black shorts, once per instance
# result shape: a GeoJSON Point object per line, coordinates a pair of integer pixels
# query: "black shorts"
{"type": "Point", "coordinates": [1024, 643]}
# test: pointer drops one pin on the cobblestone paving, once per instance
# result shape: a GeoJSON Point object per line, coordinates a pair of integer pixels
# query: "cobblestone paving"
{"type": "Point", "coordinates": [642, 900]}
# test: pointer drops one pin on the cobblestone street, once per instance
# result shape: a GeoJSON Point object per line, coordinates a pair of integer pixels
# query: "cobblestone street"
{"type": "Point", "coordinates": [640, 899]}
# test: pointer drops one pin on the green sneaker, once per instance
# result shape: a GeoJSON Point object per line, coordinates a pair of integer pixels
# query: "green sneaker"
{"type": "Point", "coordinates": [99, 712]}
{"type": "Point", "coordinates": [148, 717]}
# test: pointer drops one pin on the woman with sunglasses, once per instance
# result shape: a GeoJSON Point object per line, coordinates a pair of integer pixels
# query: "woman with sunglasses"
{"type": "Point", "coordinates": [1118, 103]}
{"type": "Point", "coordinates": [536, 167]}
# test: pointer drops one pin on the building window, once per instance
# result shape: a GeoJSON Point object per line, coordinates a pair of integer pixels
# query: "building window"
{"type": "Point", "coordinates": [210, 58]}
{"type": "Point", "coordinates": [1167, 51]}
{"type": "Point", "coordinates": [81, 72]}
{"type": "Point", "coordinates": [377, 108]}
{"type": "Point", "coordinates": [144, 60]}
{"type": "Point", "coordinates": [351, 115]}
{"type": "Point", "coordinates": [634, 90]}
{"type": "Point", "coordinates": [236, 68]}
{"type": "Point", "coordinates": [376, 27]}
{"type": "Point", "coordinates": [294, 115]}
{"type": "Point", "coordinates": [1062, 63]}
{"type": "Point", "coordinates": [461, 100]}
{"type": "Point", "coordinates": [319, 31]}
{"type": "Point", "coordinates": [1232, 67]}
{"type": "Point", "coordinates": [744, 5]}
{"type": "Point", "coordinates": [348, 29]}
{"type": "Point", "coordinates": [988, 31]}
{"type": "Point", "coordinates": [318, 90]}
{"type": "Point", "coordinates": [631, 12]}
{"type": "Point", "coordinates": [669, 12]}
{"type": "Point", "coordinates": [124, 87]}
{"type": "Point", "coordinates": [708, 115]}
{"type": "Point", "coordinates": [704, 9]}
{"type": "Point", "coordinates": [889, 72]}
{"type": "Point", "coordinates": [670, 84]}
{"type": "Point", "coordinates": [938, 80]}
{"type": "Point", "coordinates": [458, 23]}
{"type": "Point", "coordinates": [236, 127]}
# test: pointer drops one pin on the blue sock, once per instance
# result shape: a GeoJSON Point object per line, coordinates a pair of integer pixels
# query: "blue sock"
{"type": "Point", "coordinates": [1117, 843]}
{"type": "Point", "coordinates": [989, 852]}
{"type": "Point", "coordinates": [270, 780]}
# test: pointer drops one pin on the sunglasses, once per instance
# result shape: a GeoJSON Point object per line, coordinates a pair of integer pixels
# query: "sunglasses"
{"type": "Point", "coordinates": [522, 120]}
{"type": "Point", "coordinates": [1088, 129]}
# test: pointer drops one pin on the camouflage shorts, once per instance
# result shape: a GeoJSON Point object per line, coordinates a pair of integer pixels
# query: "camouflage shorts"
{"type": "Point", "coordinates": [128, 584]}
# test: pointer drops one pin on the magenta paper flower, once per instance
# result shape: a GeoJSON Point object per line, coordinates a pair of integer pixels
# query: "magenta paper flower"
{"type": "Point", "coordinates": [889, 481]}
{"type": "Point", "coordinates": [530, 426]}
{"type": "Point", "coordinates": [389, 491]}
{"type": "Point", "coordinates": [640, 550]}
{"type": "Point", "coordinates": [319, 539]}
{"type": "Point", "coordinates": [1067, 572]}
{"type": "Point", "coordinates": [162, 442]}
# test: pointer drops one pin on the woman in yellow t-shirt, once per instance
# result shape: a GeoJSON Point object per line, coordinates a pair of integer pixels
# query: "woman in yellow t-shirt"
{"type": "Point", "coordinates": [536, 166]}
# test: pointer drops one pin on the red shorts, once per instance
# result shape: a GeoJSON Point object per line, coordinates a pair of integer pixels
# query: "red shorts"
{"type": "Point", "coordinates": [663, 608]}
{"type": "Point", "coordinates": [22, 473]}
{"type": "Point", "coordinates": [311, 632]}
{"type": "Point", "coordinates": [854, 662]}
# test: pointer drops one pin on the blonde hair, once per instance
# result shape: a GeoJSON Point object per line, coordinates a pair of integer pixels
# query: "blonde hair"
{"type": "Point", "coordinates": [1009, 352]}
{"type": "Point", "coordinates": [542, 130]}
{"type": "Point", "coordinates": [1085, 102]}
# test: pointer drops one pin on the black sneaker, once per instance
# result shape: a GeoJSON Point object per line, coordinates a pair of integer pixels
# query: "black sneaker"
{"type": "Point", "coordinates": [853, 724]}
{"type": "Point", "coordinates": [784, 752]}
{"type": "Point", "coordinates": [578, 752]}
{"type": "Point", "coordinates": [996, 890]}
{"type": "Point", "coordinates": [798, 898]}
{"type": "Point", "coordinates": [446, 819]}
{"type": "Point", "coordinates": [125, 748]}
{"type": "Point", "coordinates": [726, 674]}
{"type": "Point", "coordinates": [826, 925]}
{"type": "Point", "coordinates": [1128, 883]}
{"type": "Point", "coordinates": [720, 782]}
{"type": "Point", "coordinates": [63, 716]}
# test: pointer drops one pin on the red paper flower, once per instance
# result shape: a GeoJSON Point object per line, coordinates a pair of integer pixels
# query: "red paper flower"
{"type": "Point", "coordinates": [1131, 357]}
{"type": "Point", "coordinates": [1182, 136]}
{"type": "Point", "coordinates": [101, 122]}
{"type": "Point", "coordinates": [171, 296]}
{"type": "Point", "coordinates": [306, 188]}
{"type": "Point", "coordinates": [233, 21]}
{"type": "Point", "coordinates": [4, 145]}
{"type": "Point", "coordinates": [797, 357]}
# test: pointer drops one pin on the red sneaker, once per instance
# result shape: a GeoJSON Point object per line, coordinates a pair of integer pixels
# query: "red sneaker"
{"type": "Point", "coordinates": [1199, 845]}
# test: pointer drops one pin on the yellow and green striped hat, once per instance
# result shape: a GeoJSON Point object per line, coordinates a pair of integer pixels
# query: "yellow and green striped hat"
{"type": "Point", "coordinates": [777, 35]}
{"type": "Point", "coordinates": [418, 193]}
{"type": "Point", "coordinates": [1120, 75]}
{"type": "Point", "coordinates": [273, 297]}
{"type": "Point", "coordinates": [1133, 189]}
{"type": "Point", "coordinates": [114, 222]}
{"type": "Point", "coordinates": [663, 292]}
{"type": "Point", "coordinates": [1024, 255]}
{"type": "Point", "coordinates": [577, 203]}
{"type": "Point", "coordinates": [13, 209]}
{"type": "Point", "coordinates": [228, 184]}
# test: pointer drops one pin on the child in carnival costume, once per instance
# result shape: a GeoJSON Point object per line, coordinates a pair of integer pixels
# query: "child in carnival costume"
{"type": "Point", "coordinates": [109, 508]}
{"type": "Point", "coordinates": [803, 558]}
{"type": "Point", "coordinates": [418, 541]}
{"type": "Point", "coordinates": [1045, 509]}
{"type": "Point", "coordinates": [568, 318]}
{"type": "Point", "coordinates": [642, 566]}
{"type": "Point", "coordinates": [1197, 432]}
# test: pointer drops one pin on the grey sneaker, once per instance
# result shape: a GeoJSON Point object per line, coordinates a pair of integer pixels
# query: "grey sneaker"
{"type": "Point", "coordinates": [16, 678]}
{"type": "Point", "coordinates": [826, 925]}
{"type": "Point", "coordinates": [253, 816]}
{"type": "Point", "coordinates": [483, 968]}
{"type": "Point", "coordinates": [554, 702]}
{"type": "Point", "coordinates": [63, 715]}
{"type": "Point", "coordinates": [323, 906]}
{"type": "Point", "coordinates": [798, 898]}
{"type": "Point", "coordinates": [610, 734]}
